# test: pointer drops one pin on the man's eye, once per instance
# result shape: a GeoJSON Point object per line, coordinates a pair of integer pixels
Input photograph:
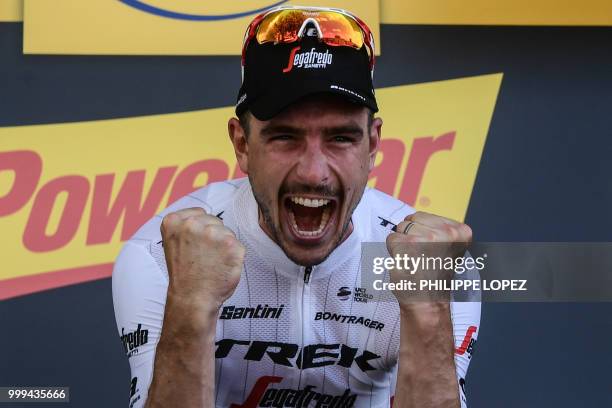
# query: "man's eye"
{"type": "Point", "coordinates": [282, 137]}
{"type": "Point", "coordinates": [342, 139]}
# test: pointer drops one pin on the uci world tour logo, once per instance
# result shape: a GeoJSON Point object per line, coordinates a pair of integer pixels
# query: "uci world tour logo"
{"type": "Point", "coordinates": [148, 7]}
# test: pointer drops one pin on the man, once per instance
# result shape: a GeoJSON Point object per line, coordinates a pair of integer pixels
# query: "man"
{"type": "Point", "coordinates": [257, 282]}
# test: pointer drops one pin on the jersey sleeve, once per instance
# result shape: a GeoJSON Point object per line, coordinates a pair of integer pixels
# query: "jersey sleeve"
{"type": "Point", "coordinates": [139, 297]}
{"type": "Point", "coordinates": [466, 324]}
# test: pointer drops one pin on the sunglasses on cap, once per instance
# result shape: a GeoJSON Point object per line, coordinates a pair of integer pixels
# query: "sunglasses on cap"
{"type": "Point", "coordinates": [287, 24]}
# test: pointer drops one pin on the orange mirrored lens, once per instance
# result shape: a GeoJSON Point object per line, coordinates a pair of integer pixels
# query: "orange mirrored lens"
{"type": "Point", "coordinates": [340, 30]}
{"type": "Point", "coordinates": [283, 27]}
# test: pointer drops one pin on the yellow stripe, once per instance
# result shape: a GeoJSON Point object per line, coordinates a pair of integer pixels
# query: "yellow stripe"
{"type": "Point", "coordinates": [112, 27]}
{"type": "Point", "coordinates": [503, 12]}
{"type": "Point", "coordinates": [11, 10]}
{"type": "Point", "coordinates": [497, 12]}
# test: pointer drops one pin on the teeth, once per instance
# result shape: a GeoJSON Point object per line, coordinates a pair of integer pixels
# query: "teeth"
{"type": "Point", "coordinates": [307, 202]}
{"type": "Point", "coordinates": [322, 225]}
{"type": "Point", "coordinates": [325, 217]}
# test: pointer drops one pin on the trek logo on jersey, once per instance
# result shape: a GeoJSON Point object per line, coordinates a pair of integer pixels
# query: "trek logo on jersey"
{"type": "Point", "coordinates": [258, 312]}
{"type": "Point", "coordinates": [387, 224]}
{"type": "Point", "coordinates": [308, 59]}
{"type": "Point", "coordinates": [290, 355]}
{"type": "Point", "coordinates": [132, 340]}
{"type": "Point", "coordinates": [262, 396]}
{"type": "Point", "coordinates": [350, 319]}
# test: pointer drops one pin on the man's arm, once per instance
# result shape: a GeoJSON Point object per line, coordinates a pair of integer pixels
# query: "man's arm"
{"type": "Point", "coordinates": [204, 261]}
{"type": "Point", "coordinates": [426, 369]}
{"type": "Point", "coordinates": [465, 317]}
{"type": "Point", "coordinates": [426, 375]}
{"type": "Point", "coordinates": [185, 357]}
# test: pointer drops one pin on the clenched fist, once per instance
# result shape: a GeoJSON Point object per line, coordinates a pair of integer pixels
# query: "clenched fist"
{"type": "Point", "coordinates": [204, 258]}
{"type": "Point", "coordinates": [437, 241]}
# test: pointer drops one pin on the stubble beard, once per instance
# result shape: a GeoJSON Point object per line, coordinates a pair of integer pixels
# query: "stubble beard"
{"type": "Point", "coordinates": [264, 211]}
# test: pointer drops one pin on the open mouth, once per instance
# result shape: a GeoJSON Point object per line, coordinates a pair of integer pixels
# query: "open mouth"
{"type": "Point", "coordinates": [309, 218]}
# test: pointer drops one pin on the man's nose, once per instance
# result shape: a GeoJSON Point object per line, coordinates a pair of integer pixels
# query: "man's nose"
{"type": "Point", "coordinates": [313, 165]}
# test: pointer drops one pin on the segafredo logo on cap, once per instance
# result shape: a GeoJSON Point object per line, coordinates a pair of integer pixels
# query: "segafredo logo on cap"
{"type": "Point", "coordinates": [308, 59]}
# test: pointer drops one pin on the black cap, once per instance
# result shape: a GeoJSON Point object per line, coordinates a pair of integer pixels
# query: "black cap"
{"type": "Point", "coordinates": [277, 75]}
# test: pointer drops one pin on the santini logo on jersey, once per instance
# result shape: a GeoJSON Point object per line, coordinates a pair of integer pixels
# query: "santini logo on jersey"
{"type": "Point", "coordinates": [308, 59]}
{"type": "Point", "coordinates": [262, 396]}
{"type": "Point", "coordinates": [132, 340]}
{"type": "Point", "coordinates": [259, 312]}
{"type": "Point", "coordinates": [290, 355]}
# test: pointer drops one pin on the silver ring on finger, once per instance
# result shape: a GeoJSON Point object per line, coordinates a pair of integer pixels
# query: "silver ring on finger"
{"type": "Point", "coordinates": [407, 227]}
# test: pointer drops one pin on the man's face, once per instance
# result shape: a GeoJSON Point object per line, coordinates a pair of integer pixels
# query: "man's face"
{"type": "Point", "coordinates": [308, 167]}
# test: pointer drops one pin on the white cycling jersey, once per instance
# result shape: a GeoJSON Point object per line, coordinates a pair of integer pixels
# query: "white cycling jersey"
{"type": "Point", "coordinates": [289, 336]}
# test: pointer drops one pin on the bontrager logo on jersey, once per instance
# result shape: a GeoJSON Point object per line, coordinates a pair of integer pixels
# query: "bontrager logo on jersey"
{"type": "Point", "coordinates": [262, 396]}
{"type": "Point", "coordinates": [369, 323]}
{"type": "Point", "coordinates": [291, 355]}
{"type": "Point", "coordinates": [132, 340]}
{"type": "Point", "coordinates": [258, 312]}
{"type": "Point", "coordinates": [308, 59]}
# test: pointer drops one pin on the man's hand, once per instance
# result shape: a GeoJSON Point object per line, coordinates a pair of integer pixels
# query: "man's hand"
{"type": "Point", "coordinates": [204, 258]}
{"type": "Point", "coordinates": [426, 375]}
{"type": "Point", "coordinates": [204, 261]}
{"type": "Point", "coordinates": [430, 236]}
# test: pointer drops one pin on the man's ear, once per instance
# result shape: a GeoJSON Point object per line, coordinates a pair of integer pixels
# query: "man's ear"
{"type": "Point", "coordinates": [375, 133]}
{"type": "Point", "coordinates": [238, 137]}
